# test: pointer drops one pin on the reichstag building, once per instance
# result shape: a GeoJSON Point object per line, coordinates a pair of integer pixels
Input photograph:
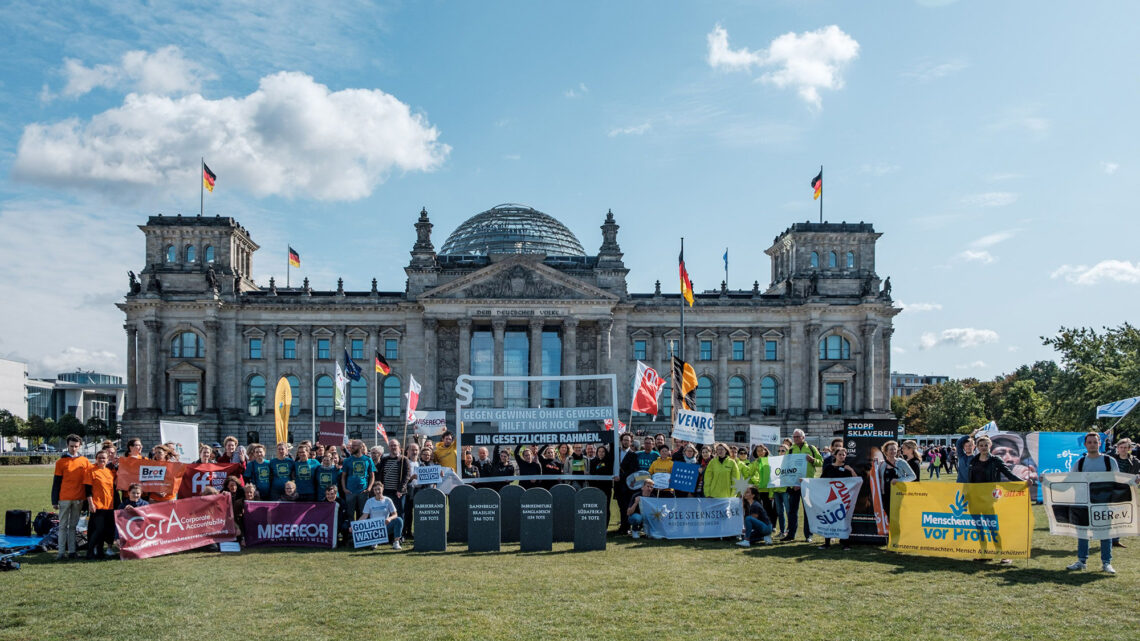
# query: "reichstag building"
{"type": "Point", "coordinates": [511, 291]}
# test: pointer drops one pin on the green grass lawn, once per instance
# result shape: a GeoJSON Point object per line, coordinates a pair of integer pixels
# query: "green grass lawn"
{"type": "Point", "coordinates": [634, 590]}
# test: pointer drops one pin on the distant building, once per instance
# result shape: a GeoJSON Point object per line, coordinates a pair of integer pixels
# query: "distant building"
{"type": "Point", "coordinates": [13, 376]}
{"type": "Point", "coordinates": [85, 395]}
{"type": "Point", "coordinates": [907, 384]}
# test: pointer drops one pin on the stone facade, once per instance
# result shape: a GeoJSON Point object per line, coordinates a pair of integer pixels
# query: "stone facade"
{"type": "Point", "coordinates": [200, 333]}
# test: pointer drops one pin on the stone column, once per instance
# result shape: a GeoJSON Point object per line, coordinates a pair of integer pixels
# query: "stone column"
{"type": "Point", "coordinates": [811, 353]}
{"type": "Point", "coordinates": [210, 379]}
{"type": "Point", "coordinates": [154, 372]}
{"type": "Point", "coordinates": [431, 361]}
{"type": "Point", "coordinates": [376, 381]}
{"type": "Point", "coordinates": [498, 329]}
{"type": "Point", "coordinates": [884, 373]}
{"type": "Point", "coordinates": [620, 364]}
{"type": "Point", "coordinates": [305, 347]}
{"type": "Point", "coordinates": [660, 354]}
{"type": "Point", "coordinates": [868, 366]}
{"type": "Point", "coordinates": [131, 401]}
{"type": "Point", "coordinates": [535, 353]}
{"type": "Point", "coordinates": [569, 361]}
{"type": "Point", "coordinates": [270, 350]}
{"type": "Point", "coordinates": [692, 346]}
{"type": "Point", "coordinates": [465, 346]}
{"type": "Point", "coordinates": [723, 349]}
{"type": "Point", "coordinates": [754, 373]}
{"type": "Point", "coordinates": [605, 364]}
{"type": "Point", "coordinates": [232, 365]}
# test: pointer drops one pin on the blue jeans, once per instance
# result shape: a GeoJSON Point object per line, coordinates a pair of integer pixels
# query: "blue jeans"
{"type": "Point", "coordinates": [395, 529]}
{"type": "Point", "coordinates": [1105, 550]}
{"type": "Point", "coordinates": [635, 521]}
{"type": "Point", "coordinates": [754, 526]}
{"type": "Point", "coordinates": [780, 500]}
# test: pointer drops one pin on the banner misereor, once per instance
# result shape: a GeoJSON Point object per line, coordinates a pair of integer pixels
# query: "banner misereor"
{"type": "Point", "coordinates": [962, 520]}
{"type": "Point", "coordinates": [175, 526]}
{"type": "Point", "coordinates": [830, 504]}
{"type": "Point", "coordinates": [693, 518]}
{"type": "Point", "coordinates": [864, 441]}
{"type": "Point", "coordinates": [268, 523]}
{"type": "Point", "coordinates": [1092, 505]}
{"type": "Point", "coordinates": [430, 423]}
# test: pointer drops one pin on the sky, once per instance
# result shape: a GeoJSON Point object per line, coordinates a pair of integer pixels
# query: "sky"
{"type": "Point", "coordinates": [992, 144]}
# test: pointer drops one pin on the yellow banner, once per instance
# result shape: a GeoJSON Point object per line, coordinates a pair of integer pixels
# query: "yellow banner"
{"type": "Point", "coordinates": [961, 520]}
{"type": "Point", "coordinates": [282, 404]}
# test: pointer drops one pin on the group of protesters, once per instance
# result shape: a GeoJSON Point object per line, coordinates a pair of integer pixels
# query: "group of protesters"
{"type": "Point", "coordinates": [380, 482]}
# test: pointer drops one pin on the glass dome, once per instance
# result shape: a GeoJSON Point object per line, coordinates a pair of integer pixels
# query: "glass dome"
{"type": "Point", "coordinates": [512, 229]}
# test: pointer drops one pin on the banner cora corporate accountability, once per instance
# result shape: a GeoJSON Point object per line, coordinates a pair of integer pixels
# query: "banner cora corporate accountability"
{"type": "Point", "coordinates": [175, 526]}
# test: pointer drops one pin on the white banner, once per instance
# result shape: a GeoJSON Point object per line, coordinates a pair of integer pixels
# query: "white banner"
{"type": "Point", "coordinates": [430, 423]}
{"type": "Point", "coordinates": [184, 436]}
{"type": "Point", "coordinates": [829, 504]}
{"type": "Point", "coordinates": [1117, 409]}
{"type": "Point", "coordinates": [428, 475]}
{"type": "Point", "coordinates": [1091, 505]}
{"type": "Point", "coordinates": [661, 480]}
{"type": "Point", "coordinates": [763, 435]}
{"type": "Point", "coordinates": [694, 427]}
{"type": "Point", "coordinates": [366, 532]}
{"type": "Point", "coordinates": [693, 518]}
{"type": "Point", "coordinates": [787, 470]}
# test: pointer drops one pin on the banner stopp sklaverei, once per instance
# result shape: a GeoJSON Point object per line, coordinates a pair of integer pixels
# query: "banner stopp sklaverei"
{"type": "Point", "coordinates": [961, 520]}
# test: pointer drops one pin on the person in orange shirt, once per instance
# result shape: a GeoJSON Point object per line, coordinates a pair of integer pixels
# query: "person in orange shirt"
{"type": "Point", "coordinates": [67, 494]}
{"type": "Point", "coordinates": [99, 487]}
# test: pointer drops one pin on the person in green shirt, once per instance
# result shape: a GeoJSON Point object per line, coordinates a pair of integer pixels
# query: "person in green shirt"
{"type": "Point", "coordinates": [814, 460]}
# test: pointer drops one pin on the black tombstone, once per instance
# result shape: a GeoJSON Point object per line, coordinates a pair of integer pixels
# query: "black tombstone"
{"type": "Point", "coordinates": [483, 521]}
{"type": "Point", "coordinates": [457, 513]}
{"type": "Point", "coordinates": [589, 520]}
{"type": "Point", "coordinates": [536, 521]}
{"type": "Point", "coordinates": [431, 532]}
{"type": "Point", "coordinates": [563, 496]}
{"type": "Point", "coordinates": [511, 495]}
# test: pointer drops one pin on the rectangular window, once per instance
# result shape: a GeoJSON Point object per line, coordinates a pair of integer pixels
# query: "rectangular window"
{"type": "Point", "coordinates": [833, 397]}
{"type": "Point", "coordinates": [639, 349]}
{"type": "Point", "coordinates": [516, 362]}
{"type": "Point", "coordinates": [255, 348]}
{"type": "Point", "coordinates": [289, 348]}
{"type": "Point", "coordinates": [706, 350]}
{"type": "Point", "coordinates": [770, 350]}
{"type": "Point", "coordinates": [322, 348]}
{"type": "Point", "coordinates": [188, 397]}
{"type": "Point", "coordinates": [358, 398]}
{"type": "Point", "coordinates": [482, 364]}
{"type": "Point", "coordinates": [358, 348]}
{"type": "Point", "coordinates": [737, 350]}
{"type": "Point", "coordinates": [391, 349]}
{"type": "Point", "coordinates": [551, 366]}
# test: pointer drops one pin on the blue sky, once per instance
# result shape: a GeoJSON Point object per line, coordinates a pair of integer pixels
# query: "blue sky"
{"type": "Point", "coordinates": [993, 145]}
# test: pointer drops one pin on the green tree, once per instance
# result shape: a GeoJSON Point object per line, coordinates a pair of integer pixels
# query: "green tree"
{"type": "Point", "coordinates": [918, 406]}
{"type": "Point", "coordinates": [1096, 368]}
{"type": "Point", "coordinates": [11, 426]}
{"type": "Point", "coordinates": [97, 427]}
{"type": "Point", "coordinates": [1022, 408]}
{"type": "Point", "coordinates": [958, 410]}
{"type": "Point", "coordinates": [1042, 373]}
{"type": "Point", "coordinates": [67, 425]}
{"type": "Point", "coordinates": [898, 406]}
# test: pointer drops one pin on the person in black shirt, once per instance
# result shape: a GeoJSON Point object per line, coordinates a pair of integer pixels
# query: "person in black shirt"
{"type": "Point", "coordinates": [550, 466]}
{"type": "Point", "coordinates": [603, 465]}
{"type": "Point", "coordinates": [985, 468]}
{"type": "Point", "coordinates": [524, 459]}
{"type": "Point", "coordinates": [836, 469]}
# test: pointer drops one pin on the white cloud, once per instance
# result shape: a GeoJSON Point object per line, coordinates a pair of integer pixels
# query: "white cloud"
{"type": "Point", "coordinates": [895, 349]}
{"type": "Point", "coordinates": [974, 365]}
{"type": "Point", "coordinates": [919, 307]}
{"type": "Point", "coordinates": [1120, 271]}
{"type": "Point", "coordinates": [1002, 177]}
{"type": "Point", "coordinates": [577, 92]}
{"type": "Point", "coordinates": [291, 137]}
{"type": "Point", "coordinates": [512, 157]}
{"type": "Point", "coordinates": [1025, 119]}
{"type": "Point", "coordinates": [879, 169]}
{"type": "Point", "coordinates": [808, 61]}
{"type": "Point", "coordinates": [1109, 167]}
{"type": "Point", "coordinates": [927, 71]}
{"type": "Point", "coordinates": [976, 256]}
{"type": "Point", "coordinates": [990, 240]}
{"type": "Point", "coordinates": [164, 72]}
{"type": "Point", "coordinates": [73, 358]}
{"type": "Point", "coordinates": [990, 199]}
{"type": "Point", "coordinates": [958, 337]}
{"type": "Point", "coordinates": [635, 130]}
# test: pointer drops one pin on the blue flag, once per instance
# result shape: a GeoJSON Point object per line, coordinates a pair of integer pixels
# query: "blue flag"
{"type": "Point", "coordinates": [726, 258]}
{"type": "Point", "coordinates": [351, 369]}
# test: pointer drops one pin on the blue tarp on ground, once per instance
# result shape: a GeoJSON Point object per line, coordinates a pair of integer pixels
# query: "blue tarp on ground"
{"type": "Point", "coordinates": [11, 542]}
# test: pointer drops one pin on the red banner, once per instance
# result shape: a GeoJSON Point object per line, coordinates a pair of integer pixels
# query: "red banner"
{"type": "Point", "coordinates": [155, 476]}
{"type": "Point", "coordinates": [175, 526]}
{"type": "Point", "coordinates": [331, 433]}
{"type": "Point", "coordinates": [199, 476]}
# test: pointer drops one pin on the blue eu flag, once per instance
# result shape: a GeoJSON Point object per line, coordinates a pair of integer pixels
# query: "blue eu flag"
{"type": "Point", "coordinates": [351, 369]}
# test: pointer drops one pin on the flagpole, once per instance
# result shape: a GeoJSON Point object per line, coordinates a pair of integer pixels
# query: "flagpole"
{"type": "Point", "coordinates": [821, 194]}
{"type": "Point", "coordinates": [202, 187]}
{"type": "Point", "coordinates": [376, 407]}
{"type": "Point", "coordinates": [726, 268]}
{"type": "Point", "coordinates": [288, 264]}
{"type": "Point", "coordinates": [313, 381]}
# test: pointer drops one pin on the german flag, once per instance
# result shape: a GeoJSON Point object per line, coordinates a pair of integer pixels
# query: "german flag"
{"type": "Point", "coordinates": [817, 185]}
{"type": "Point", "coordinates": [686, 284]}
{"type": "Point", "coordinates": [684, 385]}
{"type": "Point", "coordinates": [382, 366]}
{"type": "Point", "coordinates": [294, 258]}
{"type": "Point", "coordinates": [208, 178]}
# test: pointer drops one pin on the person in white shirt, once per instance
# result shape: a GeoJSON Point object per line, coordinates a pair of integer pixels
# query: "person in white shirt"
{"type": "Point", "coordinates": [1094, 461]}
{"type": "Point", "coordinates": [379, 506]}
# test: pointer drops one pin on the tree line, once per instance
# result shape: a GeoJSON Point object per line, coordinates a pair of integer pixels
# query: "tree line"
{"type": "Point", "coordinates": [36, 428]}
{"type": "Point", "coordinates": [1095, 368]}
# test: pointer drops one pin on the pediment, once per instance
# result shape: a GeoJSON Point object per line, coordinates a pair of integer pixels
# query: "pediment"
{"type": "Point", "coordinates": [517, 278]}
{"type": "Point", "coordinates": [185, 370]}
{"type": "Point", "coordinates": [740, 333]}
{"type": "Point", "coordinates": [253, 332]}
{"type": "Point", "coordinates": [838, 369]}
{"type": "Point", "coordinates": [706, 334]}
{"type": "Point", "coordinates": [773, 333]}
{"type": "Point", "coordinates": [322, 332]}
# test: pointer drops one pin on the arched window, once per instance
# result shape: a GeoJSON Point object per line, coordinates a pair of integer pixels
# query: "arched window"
{"type": "Point", "coordinates": [209, 253]}
{"type": "Point", "coordinates": [171, 254]}
{"type": "Point", "coordinates": [324, 395]}
{"type": "Point", "coordinates": [736, 396]}
{"type": "Point", "coordinates": [187, 345]}
{"type": "Point", "coordinates": [256, 395]}
{"type": "Point", "coordinates": [850, 260]}
{"type": "Point", "coordinates": [358, 397]}
{"type": "Point", "coordinates": [832, 260]}
{"type": "Point", "coordinates": [391, 396]}
{"type": "Point", "coordinates": [834, 348]}
{"type": "Point", "coordinates": [295, 390]}
{"type": "Point", "coordinates": [769, 395]}
{"type": "Point", "coordinates": [815, 260]}
{"type": "Point", "coordinates": [704, 394]}
{"type": "Point", "coordinates": [191, 254]}
{"type": "Point", "coordinates": [665, 401]}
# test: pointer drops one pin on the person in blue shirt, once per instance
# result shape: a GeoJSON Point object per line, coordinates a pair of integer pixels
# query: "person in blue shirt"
{"type": "Point", "coordinates": [325, 475]}
{"type": "Point", "coordinates": [257, 470]}
{"type": "Point", "coordinates": [358, 473]}
{"type": "Point", "coordinates": [304, 473]}
{"type": "Point", "coordinates": [282, 471]}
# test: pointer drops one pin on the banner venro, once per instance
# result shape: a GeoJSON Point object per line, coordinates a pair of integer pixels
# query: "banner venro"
{"type": "Point", "coordinates": [693, 518]}
{"type": "Point", "coordinates": [830, 504]}
{"type": "Point", "coordinates": [962, 520]}
{"type": "Point", "coordinates": [270, 523]}
{"type": "Point", "coordinates": [174, 526]}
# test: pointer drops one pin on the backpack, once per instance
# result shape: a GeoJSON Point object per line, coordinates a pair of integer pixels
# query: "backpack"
{"type": "Point", "coordinates": [44, 522]}
{"type": "Point", "coordinates": [1081, 464]}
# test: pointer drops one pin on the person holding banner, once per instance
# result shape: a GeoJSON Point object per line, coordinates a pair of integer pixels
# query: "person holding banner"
{"type": "Point", "coordinates": [205, 453]}
{"type": "Point", "coordinates": [838, 468]}
{"type": "Point", "coordinates": [527, 466]}
{"type": "Point", "coordinates": [984, 468]}
{"type": "Point", "coordinates": [721, 475]}
{"type": "Point", "coordinates": [1092, 461]}
{"type": "Point", "coordinates": [99, 487]}
{"type": "Point", "coordinates": [800, 446]}
{"type": "Point", "coordinates": [382, 507]}
{"type": "Point", "coordinates": [342, 516]}
{"type": "Point", "coordinates": [1128, 464]}
{"type": "Point", "coordinates": [445, 452]}
{"type": "Point", "coordinates": [757, 527]}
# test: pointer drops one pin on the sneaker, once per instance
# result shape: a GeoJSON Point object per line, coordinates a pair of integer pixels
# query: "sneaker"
{"type": "Point", "coordinates": [744, 543]}
{"type": "Point", "coordinates": [1007, 561]}
{"type": "Point", "coordinates": [375, 547]}
{"type": "Point", "coordinates": [767, 540]}
{"type": "Point", "coordinates": [1076, 566]}
{"type": "Point", "coordinates": [1118, 544]}
{"type": "Point", "coordinates": [396, 545]}
{"type": "Point", "coordinates": [1108, 569]}
{"type": "Point", "coordinates": [110, 554]}
{"type": "Point", "coordinates": [809, 539]}
{"type": "Point", "coordinates": [785, 539]}
{"type": "Point", "coordinates": [635, 534]}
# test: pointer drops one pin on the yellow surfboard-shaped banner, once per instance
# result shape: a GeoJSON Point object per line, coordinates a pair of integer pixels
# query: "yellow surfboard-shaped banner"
{"type": "Point", "coordinates": [961, 520]}
{"type": "Point", "coordinates": [282, 404]}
